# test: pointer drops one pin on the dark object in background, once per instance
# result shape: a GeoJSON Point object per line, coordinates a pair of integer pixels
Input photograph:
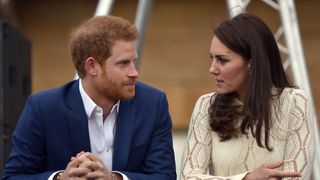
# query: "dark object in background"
{"type": "Point", "coordinates": [15, 83]}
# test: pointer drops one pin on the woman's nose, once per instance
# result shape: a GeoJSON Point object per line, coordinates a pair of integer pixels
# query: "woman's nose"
{"type": "Point", "coordinates": [214, 68]}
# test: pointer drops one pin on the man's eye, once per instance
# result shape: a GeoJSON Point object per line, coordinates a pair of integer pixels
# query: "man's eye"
{"type": "Point", "coordinates": [124, 62]}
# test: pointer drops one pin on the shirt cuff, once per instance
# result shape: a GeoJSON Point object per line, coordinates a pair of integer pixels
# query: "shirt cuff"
{"type": "Point", "coordinates": [52, 175]}
{"type": "Point", "coordinates": [124, 177]}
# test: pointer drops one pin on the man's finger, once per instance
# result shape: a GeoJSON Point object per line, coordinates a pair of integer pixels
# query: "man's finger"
{"type": "Point", "coordinates": [95, 166]}
{"type": "Point", "coordinates": [96, 175]}
{"type": "Point", "coordinates": [74, 163]}
{"type": "Point", "coordinates": [93, 157]}
{"type": "Point", "coordinates": [78, 172]}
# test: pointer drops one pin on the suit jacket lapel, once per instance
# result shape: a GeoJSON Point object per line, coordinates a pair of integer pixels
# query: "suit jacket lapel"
{"type": "Point", "coordinates": [123, 135]}
{"type": "Point", "coordinates": [77, 120]}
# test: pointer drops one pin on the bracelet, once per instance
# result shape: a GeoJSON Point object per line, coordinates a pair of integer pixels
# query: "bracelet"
{"type": "Point", "coordinates": [112, 176]}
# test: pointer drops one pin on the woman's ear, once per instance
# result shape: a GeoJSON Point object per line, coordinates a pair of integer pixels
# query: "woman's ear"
{"type": "Point", "coordinates": [91, 66]}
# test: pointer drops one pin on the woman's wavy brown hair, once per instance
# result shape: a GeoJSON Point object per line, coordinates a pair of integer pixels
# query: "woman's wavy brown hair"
{"type": "Point", "coordinates": [250, 37]}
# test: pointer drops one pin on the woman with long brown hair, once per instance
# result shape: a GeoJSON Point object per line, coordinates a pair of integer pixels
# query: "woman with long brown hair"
{"type": "Point", "coordinates": [256, 125]}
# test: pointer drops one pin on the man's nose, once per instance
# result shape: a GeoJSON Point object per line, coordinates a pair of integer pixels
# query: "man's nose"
{"type": "Point", "coordinates": [133, 72]}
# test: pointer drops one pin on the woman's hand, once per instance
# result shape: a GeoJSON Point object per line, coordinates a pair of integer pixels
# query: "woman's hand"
{"type": "Point", "coordinates": [270, 171]}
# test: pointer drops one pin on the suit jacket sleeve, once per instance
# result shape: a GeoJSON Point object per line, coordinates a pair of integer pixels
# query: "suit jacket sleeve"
{"type": "Point", "coordinates": [27, 158]}
{"type": "Point", "coordinates": [159, 162]}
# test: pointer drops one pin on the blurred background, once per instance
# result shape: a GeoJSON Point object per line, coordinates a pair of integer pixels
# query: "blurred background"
{"type": "Point", "coordinates": [175, 57]}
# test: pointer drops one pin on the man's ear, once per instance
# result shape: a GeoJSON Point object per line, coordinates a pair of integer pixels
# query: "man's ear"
{"type": "Point", "coordinates": [91, 66]}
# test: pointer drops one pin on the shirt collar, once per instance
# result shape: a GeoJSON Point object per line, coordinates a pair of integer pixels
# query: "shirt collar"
{"type": "Point", "coordinates": [90, 105]}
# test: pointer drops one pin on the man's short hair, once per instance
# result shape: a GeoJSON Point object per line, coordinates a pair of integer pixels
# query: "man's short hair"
{"type": "Point", "coordinates": [95, 38]}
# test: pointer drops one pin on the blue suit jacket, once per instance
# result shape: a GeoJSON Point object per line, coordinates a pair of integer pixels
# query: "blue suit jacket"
{"type": "Point", "coordinates": [53, 127]}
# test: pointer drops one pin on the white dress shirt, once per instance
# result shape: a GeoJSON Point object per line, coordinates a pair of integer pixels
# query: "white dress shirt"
{"type": "Point", "coordinates": [101, 131]}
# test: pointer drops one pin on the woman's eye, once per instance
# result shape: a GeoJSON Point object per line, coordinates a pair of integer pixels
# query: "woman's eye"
{"type": "Point", "coordinates": [222, 61]}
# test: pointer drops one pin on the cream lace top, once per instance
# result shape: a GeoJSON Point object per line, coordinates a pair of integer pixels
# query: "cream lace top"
{"type": "Point", "coordinates": [291, 137]}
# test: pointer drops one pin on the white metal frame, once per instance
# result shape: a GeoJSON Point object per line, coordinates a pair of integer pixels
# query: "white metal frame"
{"type": "Point", "coordinates": [295, 57]}
{"type": "Point", "coordinates": [141, 22]}
{"type": "Point", "coordinates": [103, 7]}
